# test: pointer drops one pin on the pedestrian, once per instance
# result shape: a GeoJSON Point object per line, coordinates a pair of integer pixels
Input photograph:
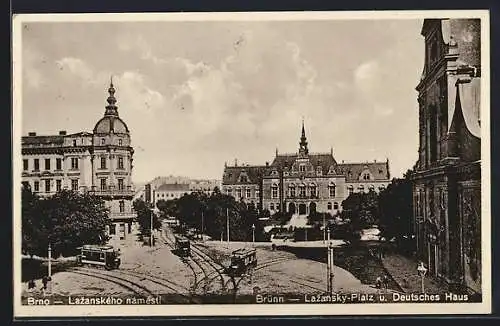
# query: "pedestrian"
{"type": "Point", "coordinates": [45, 280]}
{"type": "Point", "coordinates": [386, 282]}
{"type": "Point", "coordinates": [378, 282]}
{"type": "Point", "coordinates": [31, 285]}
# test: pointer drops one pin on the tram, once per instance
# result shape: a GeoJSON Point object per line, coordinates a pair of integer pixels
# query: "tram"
{"type": "Point", "coordinates": [99, 255]}
{"type": "Point", "coordinates": [242, 260]}
{"type": "Point", "coordinates": [182, 247]}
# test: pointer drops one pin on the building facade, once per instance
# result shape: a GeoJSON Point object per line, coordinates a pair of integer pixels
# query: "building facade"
{"type": "Point", "coordinates": [303, 182]}
{"type": "Point", "coordinates": [447, 179]}
{"type": "Point", "coordinates": [99, 162]}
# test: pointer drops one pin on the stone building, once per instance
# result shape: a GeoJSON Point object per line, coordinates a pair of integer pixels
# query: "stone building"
{"type": "Point", "coordinates": [99, 162]}
{"type": "Point", "coordinates": [447, 179]}
{"type": "Point", "coordinates": [303, 182]}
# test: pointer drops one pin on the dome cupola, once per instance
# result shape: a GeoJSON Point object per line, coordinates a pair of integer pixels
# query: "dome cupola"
{"type": "Point", "coordinates": [111, 122]}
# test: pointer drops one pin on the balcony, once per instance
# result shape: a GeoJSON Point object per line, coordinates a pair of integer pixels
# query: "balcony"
{"type": "Point", "coordinates": [112, 191]}
{"type": "Point", "coordinates": [303, 196]}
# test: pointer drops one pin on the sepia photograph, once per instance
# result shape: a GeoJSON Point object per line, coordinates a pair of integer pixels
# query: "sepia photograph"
{"type": "Point", "coordinates": [292, 163]}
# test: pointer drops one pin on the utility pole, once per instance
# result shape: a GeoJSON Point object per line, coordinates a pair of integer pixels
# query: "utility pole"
{"type": "Point", "coordinates": [50, 261]}
{"type": "Point", "coordinates": [324, 228]}
{"type": "Point", "coordinates": [202, 237]}
{"type": "Point", "coordinates": [227, 227]}
{"type": "Point", "coordinates": [151, 231]}
{"type": "Point", "coordinates": [328, 266]}
{"type": "Point", "coordinates": [330, 277]}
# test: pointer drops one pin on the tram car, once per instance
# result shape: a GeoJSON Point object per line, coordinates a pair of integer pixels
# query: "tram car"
{"type": "Point", "coordinates": [182, 247]}
{"type": "Point", "coordinates": [99, 256]}
{"type": "Point", "coordinates": [242, 260]}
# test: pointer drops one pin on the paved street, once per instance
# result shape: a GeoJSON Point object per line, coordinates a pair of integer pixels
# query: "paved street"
{"type": "Point", "coordinates": [147, 271]}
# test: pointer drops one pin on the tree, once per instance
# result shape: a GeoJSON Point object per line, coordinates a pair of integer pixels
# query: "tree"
{"type": "Point", "coordinates": [396, 209]}
{"type": "Point", "coordinates": [66, 220]}
{"type": "Point", "coordinates": [145, 212]}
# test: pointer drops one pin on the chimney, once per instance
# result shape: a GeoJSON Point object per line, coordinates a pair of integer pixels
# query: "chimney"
{"type": "Point", "coordinates": [374, 161]}
{"type": "Point", "coordinates": [62, 133]}
{"type": "Point", "coordinates": [267, 163]}
{"type": "Point", "coordinates": [342, 161]}
{"type": "Point", "coordinates": [31, 133]}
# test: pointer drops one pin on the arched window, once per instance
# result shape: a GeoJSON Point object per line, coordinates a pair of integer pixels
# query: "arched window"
{"type": "Point", "coordinates": [329, 206]}
{"type": "Point", "coordinates": [291, 190]}
{"type": "Point", "coordinates": [103, 141]}
{"type": "Point", "coordinates": [271, 206]}
{"type": "Point", "coordinates": [371, 188]}
{"type": "Point", "coordinates": [120, 142]}
{"type": "Point", "coordinates": [350, 190]}
{"type": "Point", "coordinates": [312, 190]}
{"type": "Point", "coordinates": [331, 190]}
{"type": "Point", "coordinates": [274, 191]}
{"type": "Point", "coordinates": [335, 205]}
{"type": "Point", "coordinates": [302, 190]}
{"type": "Point", "coordinates": [361, 188]}
{"type": "Point", "coordinates": [381, 188]}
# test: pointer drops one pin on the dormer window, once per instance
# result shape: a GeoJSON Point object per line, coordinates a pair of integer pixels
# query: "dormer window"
{"type": "Point", "coordinates": [74, 142]}
{"type": "Point", "coordinates": [103, 141]}
{"type": "Point", "coordinates": [319, 170]}
{"type": "Point", "coordinates": [366, 176]}
{"type": "Point", "coordinates": [120, 142]}
{"type": "Point", "coordinates": [302, 168]}
{"type": "Point", "coordinates": [274, 173]}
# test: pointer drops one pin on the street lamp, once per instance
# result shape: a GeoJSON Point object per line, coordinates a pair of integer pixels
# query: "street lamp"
{"type": "Point", "coordinates": [253, 234]}
{"type": "Point", "coordinates": [151, 224]}
{"type": "Point", "coordinates": [422, 271]}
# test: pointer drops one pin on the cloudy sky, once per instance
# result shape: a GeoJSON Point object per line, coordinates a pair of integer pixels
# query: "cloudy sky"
{"type": "Point", "coordinates": [197, 94]}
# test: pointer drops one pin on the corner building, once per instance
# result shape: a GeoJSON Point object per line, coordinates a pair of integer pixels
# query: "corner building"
{"type": "Point", "coordinates": [302, 183]}
{"type": "Point", "coordinates": [447, 179]}
{"type": "Point", "coordinates": [98, 162]}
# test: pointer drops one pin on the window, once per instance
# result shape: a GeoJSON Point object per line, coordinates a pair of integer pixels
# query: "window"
{"type": "Point", "coordinates": [36, 164]}
{"type": "Point", "coordinates": [381, 188]}
{"type": "Point", "coordinates": [331, 190]}
{"type": "Point", "coordinates": [371, 188]}
{"type": "Point", "coordinates": [312, 190]}
{"type": "Point", "coordinates": [122, 206]}
{"type": "Point", "coordinates": [302, 189]}
{"type": "Point", "coordinates": [74, 142]}
{"type": "Point", "coordinates": [120, 184]}
{"type": "Point", "coordinates": [366, 176]}
{"type": "Point", "coordinates": [47, 164]}
{"type": "Point", "coordinates": [25, 165]}
{"type": "Point", "coordinates": [335, 205]}
{"type": "Point", "coordinates": [361, 188]}
{"type": "Point", "coordinates": [112, 229]}
{"type": "Point", "coordinates": [274, 191]}
{"type": "Point", "coordinates": [319, 170]}
{"type": "Point", "coordinates": [103, 184]}
{"type": "Point", "coordinates": [257, 193]}
{"type": "Point", "coordinates": [58, 185]}
{"type": "Point", "coordinates": [120, 162]}
{"type": "Point", "coordinates": [74, 184]}
{"type": "Point", "coordinates": [47, 185]}
{"type": "Point", "coordinates": [249, 193]}
{"type": "Point", "coordinates": [229, 191]}
{"type": "Point", "coordinates": [271, 206]}
{"type": "Point", "coordinates": [238, 192]}
{"type": "Point", "coordinates": [103, 162]}
{"type": "Point", "coordinates": [36, 186]}
{"type": "Point", "coordinates": [291, 189]}
{"type": "Point", "coordinates": [58, 164]}
{"type": "Point", "coordinates": [74, 163]}
{"type": "Point", "coordinates": [329, 206]}
{"type": "Point", "coordinates": [302, 168]}
{"type": "Point", "coordinates": [350, 190]}
{"type": "Point", "coordinates": [103, 141]}
{"type": "Point", "coordinates": [120, 142]}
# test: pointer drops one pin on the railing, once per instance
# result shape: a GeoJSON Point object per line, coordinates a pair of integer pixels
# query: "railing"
{"type": "Point", "coordinates": [306, 196]}
{"type": "Point", "coordinates": [110, 190]}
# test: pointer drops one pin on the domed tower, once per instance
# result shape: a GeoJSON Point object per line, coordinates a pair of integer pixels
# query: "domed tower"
{"type": "Point", "coordinates": [112, 159]}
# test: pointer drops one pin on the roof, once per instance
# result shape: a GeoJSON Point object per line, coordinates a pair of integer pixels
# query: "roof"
{"type": "Point", "coordinates": [43, 140]}
{"type": "Point", "coordinates": [173, 187]}
{"type": "Point", "coordinates": [236, 174]}
{"type": "Point", "coordinates": [110, 123]}
{"type": "Point", "coordinates": [325, 160]}
{"type": "Point", "coordinates": [352, 171]}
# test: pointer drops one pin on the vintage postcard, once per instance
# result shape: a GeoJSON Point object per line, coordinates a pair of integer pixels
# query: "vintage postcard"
{"type": "Point", "coordinates": [220, 164]}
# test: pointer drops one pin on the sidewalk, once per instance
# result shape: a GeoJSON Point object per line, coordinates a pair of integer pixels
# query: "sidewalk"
{"type": "Point", "coordinates": [404, 271]}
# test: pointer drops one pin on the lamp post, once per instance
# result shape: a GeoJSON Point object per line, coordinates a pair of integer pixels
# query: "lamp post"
{"type": "Point", "coordinates": [324, 228]}
{"type": "Point", "coordinates": [422, 271]}
{"type": "Point", "coordinates": [253, 234]}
